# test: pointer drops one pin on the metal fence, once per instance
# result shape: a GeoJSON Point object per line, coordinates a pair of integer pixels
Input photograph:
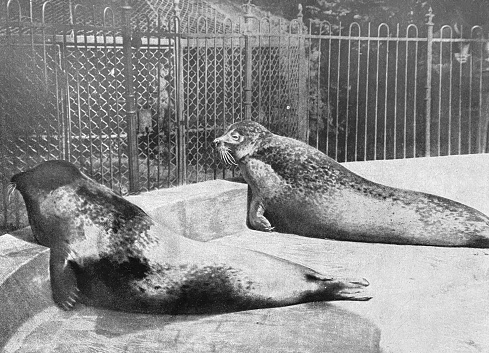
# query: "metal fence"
{"type": "Point", "coordinates": [377, 92]}
{"type": "Point", "coordinates": [134, 97]}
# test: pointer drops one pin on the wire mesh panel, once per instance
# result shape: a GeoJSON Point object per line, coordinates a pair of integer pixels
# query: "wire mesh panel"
{"type": "Point", "coordinates": [30, 119]}
{"type": "Point", "coordinates": [154, 81]}
{"type": "Point", "coordinates": [95, 116]}
{"type": "Point", "coordinates": [61, 96]}
{"type": "Point", "coordinates": [213, 81]}
{"type": "Point", "coordinates": [278, 79]}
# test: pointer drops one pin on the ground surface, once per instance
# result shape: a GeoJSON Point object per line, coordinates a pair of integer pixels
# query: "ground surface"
{"type": "Point", "coordinates": [425, 299]}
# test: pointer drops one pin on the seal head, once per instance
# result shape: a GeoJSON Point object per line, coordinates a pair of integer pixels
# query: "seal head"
{"type": "Point", "coordinates": [107, 252]}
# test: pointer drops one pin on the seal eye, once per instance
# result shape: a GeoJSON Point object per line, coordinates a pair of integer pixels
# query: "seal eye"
{"type": "Point", "coordinates": [235, 136]}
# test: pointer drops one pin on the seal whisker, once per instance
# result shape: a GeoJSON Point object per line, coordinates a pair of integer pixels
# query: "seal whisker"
{"type": "Point", "coordinates": [11, 187]}
{"type": "Point", "coordinates": [228, 157]}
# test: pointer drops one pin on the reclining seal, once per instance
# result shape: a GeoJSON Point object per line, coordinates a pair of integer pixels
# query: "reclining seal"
{"type": "Point", "coordinates": [107, 252]}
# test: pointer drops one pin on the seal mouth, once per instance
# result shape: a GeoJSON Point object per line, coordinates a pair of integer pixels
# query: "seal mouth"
{"type": "Point", "coordinates": [11, 187]}
{"type": "Point", "coordinates": [225, 155]}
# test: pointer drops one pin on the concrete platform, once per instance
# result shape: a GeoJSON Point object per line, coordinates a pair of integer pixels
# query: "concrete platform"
{"type": "Point", "coordinates": [426, 299]}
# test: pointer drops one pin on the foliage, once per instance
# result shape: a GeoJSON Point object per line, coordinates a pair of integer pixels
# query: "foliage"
{"type": "Point", "coordinates": [404, 12]}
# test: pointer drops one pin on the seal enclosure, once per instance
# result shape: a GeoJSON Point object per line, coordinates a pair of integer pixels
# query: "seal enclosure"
{"type": "Point", "coordinates": [107, 252]}
{"type": "Point", "coordinates": [296, 188]}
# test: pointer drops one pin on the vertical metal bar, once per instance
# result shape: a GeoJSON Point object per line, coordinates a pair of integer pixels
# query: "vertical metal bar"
{"type": "Point", "coordinates": [260, 72]}
{"type": "Point", "coordinates": [386, 83]}
{"type": "Point", "coordinates": [198, 97]}
{"type": "Point", "coordinates": [278, 102]}
{"type": "Point", "coordinates": [318, 91]}
{"type": "Point", "coordinates": [376, 94]}
{"type": "Point", "coordinates": [338, 68]}
{"type": "Point", "coordinates": [248, 64]}
{"type": "Point", "coordinates": [367, 80]}
{"type": "Point", "coordinates": [405, 103]}
{"type": "Point", "coordinates": [206, 101]}
{"type": "Point", "coordinates": [439, 89]}
{"type": "Point", "coordinates": [469, 133]}
{"type": "Point", "coordinates": [269, 105]}
{"type": "Point", "coordinates": [289, 79]}
{"type": "Point", "coordinates": [328, 86]}
{"type": "Point", "coordinates": [302, 96]}
{"type": "Point", "coordinates": [182, 124]}
{"type": "Point", "coordinates": [394, 152]}
{"type": "Point", "coordinates": [224, 82]}
{"type": "Point", "coordinates": [450, 97]}
{"type": "Point", "coordinates": [357, 108]}
{"type": "Point", "coordinates": [429, 58]}
{"type": "Point", "coordinates": [132, 142]}
{"type": "Point", "coordinates": [214, 88]}
{"type": "Point", "coordinates": [348, 63]}
{"type": "Point", "coordinates": [198, 89]}
{"type": "Point", "coordinates": [460, 78]}
{"type": "Point", "coordinates": [481, 139]}
{"type": "Point", "coordinates": [415, 95]}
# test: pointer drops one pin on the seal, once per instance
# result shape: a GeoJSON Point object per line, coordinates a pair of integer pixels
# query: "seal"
{"type": "Point", "coordinates": [107, 252]}
{"type": "Point", "coordinates": [295, 188]}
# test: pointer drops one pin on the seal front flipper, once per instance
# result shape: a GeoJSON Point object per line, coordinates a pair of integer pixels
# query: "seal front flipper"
{"type": "Point", "coordinates": [63, 280]}
{"type": "Point", "coordinates": [256, 216]}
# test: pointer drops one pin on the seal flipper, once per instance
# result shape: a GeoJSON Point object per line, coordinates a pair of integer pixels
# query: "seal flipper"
{"type": "Point", "coordinates": [256, 217]}
{"type": "Point", "coordinates": [341, 288]}
{"type": "Point", "coordinates": [63, 280]}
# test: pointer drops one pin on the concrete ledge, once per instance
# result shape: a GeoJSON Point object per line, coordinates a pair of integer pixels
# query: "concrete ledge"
{"type": "Point", "coordinates": [24, 283]}
{"type": "Point", "coordinates": [202, 211]}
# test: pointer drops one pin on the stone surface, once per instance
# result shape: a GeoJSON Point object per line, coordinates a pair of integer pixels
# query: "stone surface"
{"type": "Point", "coordinates": [425, 299]}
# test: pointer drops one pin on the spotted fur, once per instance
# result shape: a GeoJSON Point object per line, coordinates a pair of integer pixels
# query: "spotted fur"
{"type": "Point", "coordinates": [107, 252]}
{"type": "Point", "coordinates": [298, 189]}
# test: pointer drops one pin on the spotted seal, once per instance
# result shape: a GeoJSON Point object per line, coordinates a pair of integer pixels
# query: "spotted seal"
{"type": "Point", "coordinates": [107, 252]}
{"type": "Point", "coordinates": [296, 188]}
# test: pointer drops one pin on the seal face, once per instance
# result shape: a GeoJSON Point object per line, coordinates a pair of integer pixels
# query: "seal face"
{"type": "Point", "coordinates": [107, 252]}
{"type": "Point", "coordinates": [296, 188]}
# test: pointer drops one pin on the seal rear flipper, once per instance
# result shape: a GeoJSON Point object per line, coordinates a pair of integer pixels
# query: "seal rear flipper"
{"type": "Point", "coordinates": [63, 281]}
{"type": "Point", "coordinates": [342, 288]}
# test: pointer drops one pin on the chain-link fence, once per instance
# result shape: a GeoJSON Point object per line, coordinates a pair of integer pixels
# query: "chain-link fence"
{"type": "Point", "coordinates": [134, 96]}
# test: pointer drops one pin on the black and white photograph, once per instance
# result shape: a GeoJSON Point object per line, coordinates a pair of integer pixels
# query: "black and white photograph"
{"type": "Point", "coordinates": [227, 176]}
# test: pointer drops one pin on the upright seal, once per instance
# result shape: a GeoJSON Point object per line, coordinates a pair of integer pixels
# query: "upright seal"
{"type": "Point", "coordinates": [107, 252]}
{"type": "Point", "coordinates": [296, 188]}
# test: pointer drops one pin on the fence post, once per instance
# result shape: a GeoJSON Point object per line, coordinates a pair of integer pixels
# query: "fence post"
{"type": "Point", "coordinates": [132, 141]}
{"type": "Point", "coordinates": [303, 98]}
{"type": "Point", "coordinates": [429, 60]}
{"type": "Point", "coordinates": [179, 98]}
{"type": "Point", "coordinates": [248, 62]}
